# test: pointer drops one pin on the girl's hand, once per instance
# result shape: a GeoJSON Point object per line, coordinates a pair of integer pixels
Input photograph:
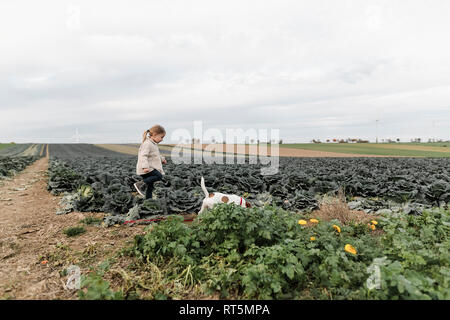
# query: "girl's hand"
{"type": "Point", "coordinates": [164, 162]}
{"type": "Point", "coordinates": [146, 170]}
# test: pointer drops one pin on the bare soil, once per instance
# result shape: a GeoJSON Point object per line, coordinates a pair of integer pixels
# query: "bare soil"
{"type": "Point", "coordinates": [283, 152]}
{"type": "Point", "coordinates": [241, 149]}
{"type": "Point", "coordinates": [131, 150]}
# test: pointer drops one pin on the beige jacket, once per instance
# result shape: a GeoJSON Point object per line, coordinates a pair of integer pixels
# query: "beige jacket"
{"type": "Point", "coordinates": [149, 157]}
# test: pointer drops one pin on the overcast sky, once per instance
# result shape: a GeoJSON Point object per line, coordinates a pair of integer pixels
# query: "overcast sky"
{"type": "Point", "coordinates": [312, 69]}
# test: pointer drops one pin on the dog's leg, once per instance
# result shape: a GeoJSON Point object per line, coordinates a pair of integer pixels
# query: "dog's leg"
{"type": "Point", "coordinates": [202, 209]}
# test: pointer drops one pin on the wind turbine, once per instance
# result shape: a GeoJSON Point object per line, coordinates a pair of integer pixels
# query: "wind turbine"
{"type": "Point", "coordinates": [77, 136]}
{"type": "Point", "coordinates": [377, 121]}
{"type": "Point", "coordinates": [377, 128]}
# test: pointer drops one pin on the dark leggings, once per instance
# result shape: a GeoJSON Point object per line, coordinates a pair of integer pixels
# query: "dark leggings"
{"type": "Point", "coordinates": [150, 178]}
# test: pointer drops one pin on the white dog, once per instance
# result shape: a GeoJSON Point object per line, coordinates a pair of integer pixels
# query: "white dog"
{"type": "Point", "coordinates": [212, 198]}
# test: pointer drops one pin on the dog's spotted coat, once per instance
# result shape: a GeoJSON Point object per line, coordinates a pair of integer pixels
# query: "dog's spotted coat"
{"type": "Point", "coordinates": [213, 198]}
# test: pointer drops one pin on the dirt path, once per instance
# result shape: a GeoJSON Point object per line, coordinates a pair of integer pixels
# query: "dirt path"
{"type": "Point", "coordinates": [31, 233]}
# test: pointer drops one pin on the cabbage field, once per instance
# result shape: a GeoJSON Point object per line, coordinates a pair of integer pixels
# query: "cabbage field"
{"type": "Point", "coordinates": [96, 179]}
{"type": "Point", "coordinates": [9, 166]}
{"type": "Point", "coordinates": [15, 158]}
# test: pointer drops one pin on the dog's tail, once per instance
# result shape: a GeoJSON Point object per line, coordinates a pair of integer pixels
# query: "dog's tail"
{"type": "Point", "coordinates": [204, 188]}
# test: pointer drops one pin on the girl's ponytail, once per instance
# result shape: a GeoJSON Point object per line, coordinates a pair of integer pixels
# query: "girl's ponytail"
{"type": "Point", "coordinates": [156, 129]}
{"type": "Point", "coordinates": [144, 136]}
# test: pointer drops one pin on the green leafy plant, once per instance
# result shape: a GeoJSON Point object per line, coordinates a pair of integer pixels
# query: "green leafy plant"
{"type": "Point", "coordinates": [74, 231]}
{"type": "Point", "coordinates": [91, 221]}
{"type": "Point", "coordinates": [93, 287]}
{"type": "Point", "coordinates": [264, 253]}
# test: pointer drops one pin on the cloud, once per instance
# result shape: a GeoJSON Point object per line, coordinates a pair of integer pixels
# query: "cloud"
{"type": "Point", "coordinates": [312, 69]}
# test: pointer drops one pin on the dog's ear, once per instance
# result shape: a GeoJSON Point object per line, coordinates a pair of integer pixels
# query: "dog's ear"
{"type": "Point", "coordinates": [247, 204]}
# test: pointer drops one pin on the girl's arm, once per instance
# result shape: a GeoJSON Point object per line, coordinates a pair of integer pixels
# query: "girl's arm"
{"type": "Point", "coordinates": [143, 152]}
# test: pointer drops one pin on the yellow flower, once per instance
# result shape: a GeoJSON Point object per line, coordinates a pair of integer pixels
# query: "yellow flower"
{"type": "Point", "coordinates": [350, 249]}
{"type": "Point", "coordinates": [314, 220]}
{"type": "Point", "coordinates": [372, 227]}
{"type": "Point", "coordinates": [302, 222]}
{"type": "Point", "coordinates": [337, 228]}
{"type": "Point", "coordinates": [312, 238]}
{"type": "Point", "coordinates": [374, 222]}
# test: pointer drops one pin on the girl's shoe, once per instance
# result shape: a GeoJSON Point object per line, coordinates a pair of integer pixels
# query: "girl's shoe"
{"type": "Point", "coordinates": [139, 188]}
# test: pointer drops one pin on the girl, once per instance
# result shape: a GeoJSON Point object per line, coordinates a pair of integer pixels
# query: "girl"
{"type": "Point", "coordinates": [149, 164]}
